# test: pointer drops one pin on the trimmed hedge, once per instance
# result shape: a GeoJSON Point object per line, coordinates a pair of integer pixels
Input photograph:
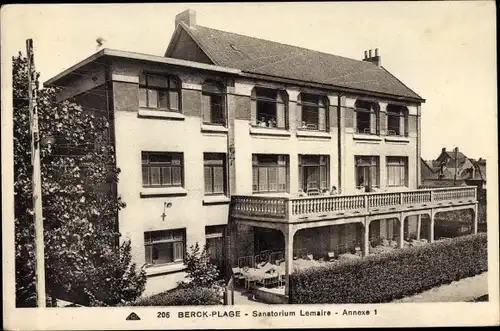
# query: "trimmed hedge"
{"type": "Point", "coordinates": [390, 276]}
{"type": "Point", "coordinates": [181, 297]}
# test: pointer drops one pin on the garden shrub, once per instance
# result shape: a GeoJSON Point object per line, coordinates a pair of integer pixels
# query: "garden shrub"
{"type": "Point", "coordinates": [390, 276]}
{"type": "Point", "coordinates": [182, 297]}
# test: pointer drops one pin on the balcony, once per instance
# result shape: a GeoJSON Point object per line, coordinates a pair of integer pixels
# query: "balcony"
{"type": "Point", "coordinates": [311, 208]}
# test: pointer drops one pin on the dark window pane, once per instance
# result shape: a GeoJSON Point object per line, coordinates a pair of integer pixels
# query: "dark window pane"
{"type": "Point", "coordinates": [166, 173]}
{"type": "Point", "coordinates": [176, 176]}
{"type": "Point", "coordinates": [218, 175]}
{"type": "Point", "coordinates": [163, 99]}
{"type": "Point", "coordinates": [155, 176]}
{"type": "Point", "coordinates": [208, 179]}
{"type": "Point", "coordinates": [157, 81]}
{"type": "Point", "coordinates": [174, 100]}
{"type": "Point", "coordinates": [145, 176]}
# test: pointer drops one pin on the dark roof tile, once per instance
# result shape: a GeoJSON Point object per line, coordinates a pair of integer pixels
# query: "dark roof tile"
{"type": "Point", "coordinates": [270, 58]}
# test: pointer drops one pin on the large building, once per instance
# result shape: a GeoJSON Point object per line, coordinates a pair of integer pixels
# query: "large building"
{"type": "Point", "coordinates": [232, 131]}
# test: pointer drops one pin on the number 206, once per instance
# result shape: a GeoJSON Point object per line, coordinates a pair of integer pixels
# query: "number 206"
{"type": "Point", "coordinates": [163, 314]}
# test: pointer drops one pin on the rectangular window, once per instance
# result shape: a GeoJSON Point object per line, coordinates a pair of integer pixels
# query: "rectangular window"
{"type": "Point", "coordinates": [268, 108]}
{"type": "Point", "coordinates": [270, 173]}
{"type": "Point", "coordinates": [159, 92]}
{"type": "Point", "coordinates": [367, 117]}
{"type": "Point", "coordinates": [397, 119]}
{"type": "Point", "coordinates": [164, 247]}
{"type": "Point", "coordinates": [162, 169]}
{"type": "Point", "coordinates": [314, 172]}
{"type": "Point", "coordinates": [213, 106]}
{"type": "Point", "coordinates": [367, 172]}
{"type": "Point", "coordinates": [215, 173]}
{"type": "Point", "coordinates": [397, 170]}
{"type": "Point", "coordinates": [312, 112]}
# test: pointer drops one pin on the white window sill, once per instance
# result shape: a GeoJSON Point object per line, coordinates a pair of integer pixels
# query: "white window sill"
{"type": "Point", "coordinates": [166, 114]}
{"type": "Point", "coordinates": [313, 134]}
{"type": "Point", "coordinates": [162, 191]}
{"type": "Point", "coordinates": [397, 139]}
{"type": "Point", "coordinates": [371, 137]}
{"type": "Point", "coordinates": [215, 199]}
{"type": "Point", "coordinates": [269, 131]}
{"type": "Point", "coordinates": [164, 269]}
{"type": "Point", "coordinates": [213, 128]}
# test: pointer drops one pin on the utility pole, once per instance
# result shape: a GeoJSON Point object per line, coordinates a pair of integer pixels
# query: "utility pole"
{"type": "Point", "coordinates": [37, 178]}
{"type": "Point", "coordinates": [456, 165]}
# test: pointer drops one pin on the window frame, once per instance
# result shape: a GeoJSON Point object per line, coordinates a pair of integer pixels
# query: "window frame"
{"type": "Point", "coordinates": [320, 165]}
{"type": "Point", "coordinates": [257, 99]}
{"type": "Point", "coordinates": [149, 244]}
{"type": "Point", "coordinates": [372, 110]}
{"type": "Point", "coordinates": [374, 168]}
{"type": "Point", "coordinates": [162, 165]}
{"type": "Point", "coordinates": [402, 165]}
{"type": "Point", "coordinates": [256, 169]}
{"type": "Point", "coordinates": [402, 116]}
{"type": "Point", "coordinates": [171, 80]}
{"type": "Point", "coordinates": [321, 103]}
{"type": "Point", "coordinates": [206, 92]}
{"type": "Point", "coordinates": [211, 166]}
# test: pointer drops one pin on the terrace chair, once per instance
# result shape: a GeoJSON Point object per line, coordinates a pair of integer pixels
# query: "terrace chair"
{"type": "Point", "coordinates": [310, 257]}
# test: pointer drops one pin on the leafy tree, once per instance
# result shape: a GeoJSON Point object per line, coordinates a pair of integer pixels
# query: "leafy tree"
{"type": "Point", "coordinates": [84, 258]}
{"type": "Point", "coordinates": [200, 271]}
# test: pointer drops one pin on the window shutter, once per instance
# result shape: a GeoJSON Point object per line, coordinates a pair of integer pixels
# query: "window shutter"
{"type": "Point", "coordinates": [402, 128]}
{"type": "Point", "coordinates": [253, 112]}
{"type": "Point", "coordinates": [298, 108]}
{"type": "Point", "coordinates": [174, 100]}
{"type": "Point", "coordinates": [205, 106]}
{"type": "Point", "coordinates": [147, 249]}
{"type": "Point", "coordinates": [322, 119]}
{"type": "Point", "coordinates": [208, 180]}
{"type": "Point", "coordinates": [280, 114]}
{"type": "Point", "coordinates": [178, 251]}
{"type": "Point", "coordinates": [176, 176]}
{"type": "Point", "coordinates": [143, 102]}
{"type": "Point", "coordinates": [373, 122]}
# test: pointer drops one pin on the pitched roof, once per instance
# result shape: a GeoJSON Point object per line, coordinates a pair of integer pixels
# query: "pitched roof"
{"type": "Point", "coordinates": [270, 58]}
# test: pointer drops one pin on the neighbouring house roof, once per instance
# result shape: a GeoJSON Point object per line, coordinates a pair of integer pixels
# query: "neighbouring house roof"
{"type": "Point", "coordinates": [264, 57]}
{"type": "Point", "coordinates": [106, 52]}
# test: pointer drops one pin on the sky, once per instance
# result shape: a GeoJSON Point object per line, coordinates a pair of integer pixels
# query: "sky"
{"type": "Point", "coordinates": [445, 51]}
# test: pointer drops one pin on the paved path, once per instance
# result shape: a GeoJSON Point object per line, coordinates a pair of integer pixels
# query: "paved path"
{"type": "Point", "coordinates": [465, 289]}
{"type": "Point", "coordinates": [242, 297]}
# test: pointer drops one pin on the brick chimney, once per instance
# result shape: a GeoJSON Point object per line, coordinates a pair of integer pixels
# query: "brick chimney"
{"type": "Point", "coordinates": [443, 149]}
{"type": "Point", "coordinates": [375, 59]}
{"type": "Point", "coordinates": [188, 17]}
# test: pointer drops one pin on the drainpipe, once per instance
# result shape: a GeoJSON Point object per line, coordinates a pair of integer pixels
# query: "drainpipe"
{"type": "Point", "coordinates": [339, 140]}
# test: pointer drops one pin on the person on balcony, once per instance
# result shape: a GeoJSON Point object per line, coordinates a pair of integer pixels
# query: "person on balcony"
{"type": "Point", "coordinates": [262, 122]}
{"type": "Point", "coordinates": [333, 191]}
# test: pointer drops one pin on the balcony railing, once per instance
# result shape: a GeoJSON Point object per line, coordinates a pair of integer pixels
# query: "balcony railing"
{"type": "Point", "coordinates": [289, 208]}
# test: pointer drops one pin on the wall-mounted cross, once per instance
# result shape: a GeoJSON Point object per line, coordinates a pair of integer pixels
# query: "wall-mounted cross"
{"type": "Point", "coordinates": [165, 206]}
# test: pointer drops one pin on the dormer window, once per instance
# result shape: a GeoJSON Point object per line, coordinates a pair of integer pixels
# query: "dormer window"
{"type": "Point", "coordinates": [312, 112]}
{"type": "Point", "coordinates": [367, 117]}
{"type": "Point", "coordinates": [213, 104]}
{"type": "Point", "coordinates": [268, 108]}
{"type": "Point", "coordinates": [159, 92]}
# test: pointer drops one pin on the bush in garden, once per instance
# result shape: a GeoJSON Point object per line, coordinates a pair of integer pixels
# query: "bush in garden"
{"type": "Point", "coordinates": [390, 276]}
{"type": "Point", "coordinates": [200, 272]}
{"type": "Point", "coordinates": [194, 296]}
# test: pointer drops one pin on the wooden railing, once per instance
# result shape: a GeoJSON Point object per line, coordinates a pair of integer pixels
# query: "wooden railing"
{"type": "Point", "coordinates": [296, 207]}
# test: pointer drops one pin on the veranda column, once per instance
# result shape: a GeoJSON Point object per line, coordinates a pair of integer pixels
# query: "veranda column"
{"type": "Point", "coordinates": [419, 225]}
{"type": "Point", "coordinates": [431, 228]}
{"type": "Point", "coordinates": [475, 218]}
{"type": "Point", "coordinates": [288, 232]}
{"type": "Point", "coordinates": [401, 231]}
{"type": "Point", "coordinates": [366, 239]}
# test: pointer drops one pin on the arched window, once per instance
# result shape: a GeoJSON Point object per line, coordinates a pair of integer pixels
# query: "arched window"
{"type": "Point", "coordinates": [159, 92]}
{"type": "Point", "coordinates": [312, 112]}
{"type": "Point", "coordinates": [397, 120]}
{"type": "Point", "coordinates": [367, 117]}
{"type": "Point", "coordinates": [213, 104]}
{"type": "Point", "coordinates": [269, 108]}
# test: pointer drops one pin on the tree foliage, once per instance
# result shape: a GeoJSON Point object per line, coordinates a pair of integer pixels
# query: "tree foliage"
{"type": "Point", "coordinates": [200, 272]}
{"type": "Point", "coordinates": [83, 255]}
